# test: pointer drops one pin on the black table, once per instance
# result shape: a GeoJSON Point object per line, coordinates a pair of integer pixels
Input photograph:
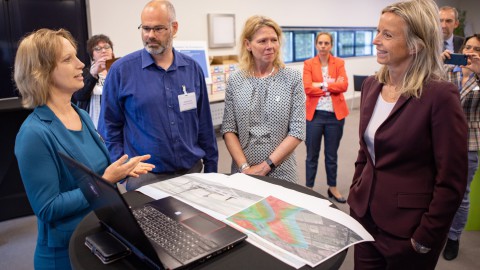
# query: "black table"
{"type": "Point", "coordinates": [243, 256]}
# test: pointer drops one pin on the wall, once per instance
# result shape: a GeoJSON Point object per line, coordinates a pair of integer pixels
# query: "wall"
{"type": "Point", "coordinates": [121, 24]}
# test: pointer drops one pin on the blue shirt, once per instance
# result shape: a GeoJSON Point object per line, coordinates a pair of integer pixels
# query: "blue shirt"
{"type": "Point", "coordinates": [140, 113]}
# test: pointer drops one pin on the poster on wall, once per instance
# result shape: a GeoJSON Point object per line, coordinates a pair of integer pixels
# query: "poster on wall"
{"type": "Point", "coordinates": [198, 51]}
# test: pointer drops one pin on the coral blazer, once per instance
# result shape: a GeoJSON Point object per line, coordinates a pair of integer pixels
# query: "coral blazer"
{"type": "Point", "coordinates": [420, 173]}
{"type": "Point", "coordinates": [312, 72]}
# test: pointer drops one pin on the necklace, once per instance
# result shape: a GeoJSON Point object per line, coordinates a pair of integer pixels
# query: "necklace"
{"type": "Point", "coordinates": [269, 74]}
{"type": "Point", "coordinates": [390, 93]}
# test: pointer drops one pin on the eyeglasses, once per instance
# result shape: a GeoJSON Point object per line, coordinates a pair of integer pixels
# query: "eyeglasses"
{"type": "Point", "coordinates": [156, 29]}
{"type": "Point", "coordinates": [100, 48]}
{"type": "Point", "coordinates": [470, 47]}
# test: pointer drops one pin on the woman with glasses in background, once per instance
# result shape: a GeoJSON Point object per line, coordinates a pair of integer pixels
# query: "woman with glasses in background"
{"type": "Point", "coordinates": [100, 49]}
{"type": "Point", "coordinates": [466, 78]}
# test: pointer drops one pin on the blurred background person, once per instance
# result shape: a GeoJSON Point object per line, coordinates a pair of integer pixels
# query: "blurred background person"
{"type": "Point", "coordinates": [411, 169]}
{"type": "Point", "coordinates": [100, 49]}
{"type": "Point", "coordinates": [449, 22]}
{"type": "Point", "coordinates": [264, 117]}
{"type": "Point", "coordinates": [466, 78]}
{"type": "Point", "coordinates": [47, 72]}
{"type": "Point", "coordinates": [325, 81]}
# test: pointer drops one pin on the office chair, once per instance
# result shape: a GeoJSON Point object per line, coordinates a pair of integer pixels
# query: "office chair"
{"type": "Point", "coordinates": [357, 85]}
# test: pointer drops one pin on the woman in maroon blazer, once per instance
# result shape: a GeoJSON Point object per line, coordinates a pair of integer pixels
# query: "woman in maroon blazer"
{"type": "Point", "coordinates": [412, 164]}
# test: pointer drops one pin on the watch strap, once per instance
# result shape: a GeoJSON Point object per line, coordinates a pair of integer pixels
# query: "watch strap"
{"type": "Point", "coordinates": [270, 163]}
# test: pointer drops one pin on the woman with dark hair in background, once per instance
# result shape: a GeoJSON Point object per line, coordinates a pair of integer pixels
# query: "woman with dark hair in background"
{"type": "Point", "coordinates": [325, 81]}
{"type": "Point", "coordinates": [411, 169]}
{"type": "Point", "coordinates": [100, 49]}
{"type": "Point", "coordinates": [466, 78]}
{"type": "Point", "coordinates": [47, 73]}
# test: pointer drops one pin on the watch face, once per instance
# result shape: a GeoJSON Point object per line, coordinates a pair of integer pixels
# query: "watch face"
{"type": "Point", "coordinates": [270, 163]}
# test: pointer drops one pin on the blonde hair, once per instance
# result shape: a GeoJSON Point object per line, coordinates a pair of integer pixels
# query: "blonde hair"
{"type": "Point", "coordinates": [35, 61]}
{"type": "Point", "coordinates": [424, 39]}
{"type": "Point", "coordinates": [252, 25]}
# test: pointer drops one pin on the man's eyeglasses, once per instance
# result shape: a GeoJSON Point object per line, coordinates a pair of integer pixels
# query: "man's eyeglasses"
{"type": "Point", "coordinates": [100, 48]}
{"type": "Point", "coordinates": [156, 29]}
{"type": "Point", "coordinates": [470, 47]}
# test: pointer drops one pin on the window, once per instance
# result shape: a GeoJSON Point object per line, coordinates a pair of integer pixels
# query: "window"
{"type": "Point", "coordinates": [299, 43]}
{"type": "Point", "coordinates": [304, 46]}
{"type": "Point", "coordinates": [346, 43]}
{"type": "Point", "coordinates": [363, 43]}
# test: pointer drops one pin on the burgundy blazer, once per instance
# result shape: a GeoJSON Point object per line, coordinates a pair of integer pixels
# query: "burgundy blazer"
{"type": "Point", "coordinates": [420, 174]}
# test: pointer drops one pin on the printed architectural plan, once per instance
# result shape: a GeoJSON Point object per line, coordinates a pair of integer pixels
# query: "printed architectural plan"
{"type": "Point", "coordinates": [305, 234]}
{"type": "Point", "coordinates": [210, 195]}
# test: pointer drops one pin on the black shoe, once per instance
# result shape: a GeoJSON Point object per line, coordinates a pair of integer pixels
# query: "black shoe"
{"type": "Point", "coordinates": [339, 200]}
{"type": "Point", "coordinates": [451, 249]}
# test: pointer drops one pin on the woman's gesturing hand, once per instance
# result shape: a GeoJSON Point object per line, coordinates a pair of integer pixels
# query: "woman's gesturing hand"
{"type": "Point", "coordinates": [124, 167]}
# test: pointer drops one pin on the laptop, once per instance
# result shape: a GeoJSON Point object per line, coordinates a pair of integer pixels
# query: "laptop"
{"type": "Point", "coordinates": [165, 234]}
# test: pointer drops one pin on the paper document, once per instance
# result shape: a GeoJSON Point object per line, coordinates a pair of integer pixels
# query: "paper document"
{"type": "Point", "coordinates": [294, 227]}
{"type": "Point", "coordinates": [310, 237]}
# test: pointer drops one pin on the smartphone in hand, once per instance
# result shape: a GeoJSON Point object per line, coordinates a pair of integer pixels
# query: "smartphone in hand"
{"type": "Point", "coordinates": [457, 59]}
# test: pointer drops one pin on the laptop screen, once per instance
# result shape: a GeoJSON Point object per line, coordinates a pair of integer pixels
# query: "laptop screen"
{"type": "Point", "coordinates": [111, 209]}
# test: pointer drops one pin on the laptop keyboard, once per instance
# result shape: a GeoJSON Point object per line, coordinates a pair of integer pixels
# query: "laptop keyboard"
{"type": "Point", "coordinates": [177, 240]}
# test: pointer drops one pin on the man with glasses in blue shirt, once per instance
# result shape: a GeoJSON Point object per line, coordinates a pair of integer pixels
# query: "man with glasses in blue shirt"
{"type": "Point", "coordinates": [155, 101]}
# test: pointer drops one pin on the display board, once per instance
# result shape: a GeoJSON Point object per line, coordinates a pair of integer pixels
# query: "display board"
{"type": "Point", "coordinates": [198, 51]}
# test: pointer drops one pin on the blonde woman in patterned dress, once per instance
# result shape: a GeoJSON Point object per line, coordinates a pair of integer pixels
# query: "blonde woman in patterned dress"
{"type": "Point", "coordinates": [264, 119]}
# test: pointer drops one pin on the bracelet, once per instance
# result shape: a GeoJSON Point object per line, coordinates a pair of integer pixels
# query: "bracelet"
{"type": "Point", "coordinates": [244, 166]}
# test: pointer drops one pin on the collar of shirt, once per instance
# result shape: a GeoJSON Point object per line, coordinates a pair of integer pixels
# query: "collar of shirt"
{"type": "Point", "coordinates": [178, 60]}
{"type": "Point", "coordinates": [457, 69]}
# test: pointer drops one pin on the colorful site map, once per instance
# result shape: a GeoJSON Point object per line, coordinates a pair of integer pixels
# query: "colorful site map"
{"type": "Point", "coordinates": [303, 233]}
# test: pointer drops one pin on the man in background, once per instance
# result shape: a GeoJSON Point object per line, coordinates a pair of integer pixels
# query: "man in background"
{"type": "Point", "coordinates": [449, 21]}
{"type": "Point", "coordinates": [155, 101]}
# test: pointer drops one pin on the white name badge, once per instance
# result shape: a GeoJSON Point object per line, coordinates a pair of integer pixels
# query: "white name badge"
{"type": "Point", "coordinates": [476, 88]}
{"type": "Point", "coordinates": [187, 102]}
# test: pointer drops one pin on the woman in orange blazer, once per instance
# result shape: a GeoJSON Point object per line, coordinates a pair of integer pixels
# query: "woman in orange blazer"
{"type": "Point", "coordinates": [325, 81]}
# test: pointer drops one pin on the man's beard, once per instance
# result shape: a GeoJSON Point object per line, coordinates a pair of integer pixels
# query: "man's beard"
{"type": "Point", "coordinates": [162, 46]}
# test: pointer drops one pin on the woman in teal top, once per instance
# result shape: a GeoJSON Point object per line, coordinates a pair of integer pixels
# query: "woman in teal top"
{"type": "Point", "coordinates": [47, 73]}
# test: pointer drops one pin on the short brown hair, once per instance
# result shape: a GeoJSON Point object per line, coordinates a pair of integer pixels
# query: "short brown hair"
{"type": "Point", "coordinates": [35, 61]}
{"type": "Point", "coordinates": [94, 40]}
{"type": "Point", "coordinates": [251, 27]}
{"type": "Point", "coordinates": [455, 11]}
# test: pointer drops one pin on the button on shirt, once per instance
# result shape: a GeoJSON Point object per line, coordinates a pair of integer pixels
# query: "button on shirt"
{"type": "Point", "coordinates": [141, 115]}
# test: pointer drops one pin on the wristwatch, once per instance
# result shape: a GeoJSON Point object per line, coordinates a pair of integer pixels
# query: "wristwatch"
{"type": "Point", "coordinates": [324, 86]}
{"type": "Point", "coordinates": [270, 163]}
{"type": "Point", "coordinates": [420, 248]}
{"type": "Point", "coordinates": [243, 166]}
